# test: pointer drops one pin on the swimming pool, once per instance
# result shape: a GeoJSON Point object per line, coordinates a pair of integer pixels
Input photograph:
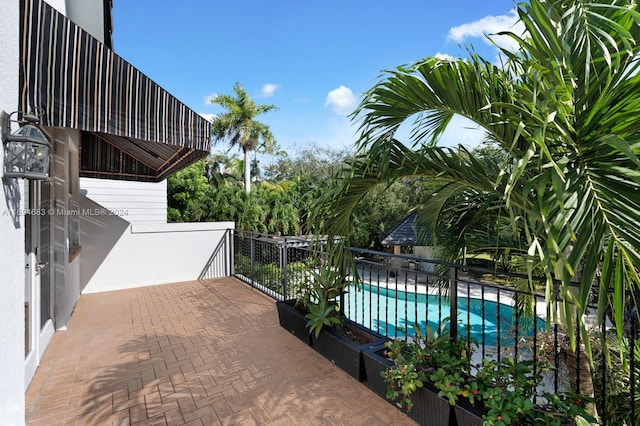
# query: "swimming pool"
{"type": "Point", "coordinates": [393, 313]}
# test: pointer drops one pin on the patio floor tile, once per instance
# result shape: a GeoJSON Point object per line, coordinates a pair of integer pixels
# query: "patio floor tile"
{"type": "Point", "coordinates": [206, 352]}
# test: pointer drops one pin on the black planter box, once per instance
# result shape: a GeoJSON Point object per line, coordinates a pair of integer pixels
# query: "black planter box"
{"type": "Point", "coordinates": [343, 352]}
{"type": "Point", "coordinates": [466, 414]}
{"type": "Point", "coordinates": [374, 365]}
{"type": "Point", "coordinates": [293, 320]}
{"type": "Point", "coordinates": [429, 409]}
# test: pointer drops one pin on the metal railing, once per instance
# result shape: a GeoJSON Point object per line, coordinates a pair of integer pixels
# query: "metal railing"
{"type": "Point", "coordinates": [498, 313]}
{"type": "Point", "coordinates": [219, 263]}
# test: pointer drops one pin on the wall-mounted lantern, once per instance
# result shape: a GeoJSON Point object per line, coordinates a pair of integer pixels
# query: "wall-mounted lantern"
{"type": "Point", "coordinates": [26, 151]}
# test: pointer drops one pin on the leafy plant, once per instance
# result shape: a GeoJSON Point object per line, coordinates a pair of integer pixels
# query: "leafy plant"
{"type": "Point", "coordinates": [449, 382]}
{"type": "Point", "coordinates": [560, 408]}
{"type": "Point", "coordinates": [432, 357]}
{"type": "Point", "coordinates": [321, 298]}
{"type": "Point", "coordinates": [401, 383]}
{"type": "Point", "coordinates": [269, 275]}
{"type": "Point", "coordinates": [321, 314]}
{"type": "Point", "coordinates": [242, 265]}
{"type": "Point", "coordinates": [617, 377]}
{"type": "Point", "coordinates": [505, 390]}
{"type": "Point", "coordinates": [297, 279]}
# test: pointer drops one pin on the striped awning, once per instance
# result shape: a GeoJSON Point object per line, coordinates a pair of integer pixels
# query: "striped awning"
{"type": "Point", "coordinates": [131, 128]}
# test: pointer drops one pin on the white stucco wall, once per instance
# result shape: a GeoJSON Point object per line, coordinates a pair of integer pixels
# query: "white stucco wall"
{"type": "Point", "coordinates": [12, 277]}
{"type": "Point", "coordinates": [426, 252]}
{"type": "Point", "coordinates": [117, 255]}
{"type": "Point", "coordinates": [136, 202]}
{"type": "Point", "coordinates": [88, 14]}
{"type": "Point", "coordinates": [59, 5]}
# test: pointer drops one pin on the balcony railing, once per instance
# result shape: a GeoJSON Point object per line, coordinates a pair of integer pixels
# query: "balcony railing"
{"type": "Point", "coordinates": [498, 313]}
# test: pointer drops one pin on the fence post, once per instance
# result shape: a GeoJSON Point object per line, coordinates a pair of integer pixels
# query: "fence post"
{"type": "Point", "coordinates": [229, 264]}
{"type": "Point", "coordinates": [253, 255]}
{"type": "Point", "coordinates": [285, 278]}
{"type": "Point", "coordinates": [453, 303]}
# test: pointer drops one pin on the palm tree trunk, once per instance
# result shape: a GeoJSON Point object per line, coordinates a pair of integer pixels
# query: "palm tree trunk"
{"type": "Point", "coordinates": [247, 170]}
{"type": "Point", "coordinates": [578, 365]}
{"type": "Point", "coordinates": [580, 376]}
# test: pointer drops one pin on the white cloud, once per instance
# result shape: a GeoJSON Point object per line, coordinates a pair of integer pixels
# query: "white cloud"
{"type": "Point", "coordinates": [444, 56]}
{"type": "Point", "coordinates": [268, 90]}
{"type": "Point", "coordinates": [487, 26]}
{"type": "Point", "coordinates": [206, 116]}
{"type": "Point", "coordinates": [342, 100]}
{"type": "Point", "coordinates": [207, 99]}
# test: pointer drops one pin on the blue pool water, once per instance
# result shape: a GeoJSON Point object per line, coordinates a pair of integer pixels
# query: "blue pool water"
{"type": "Point", "coordinates": [393, 313]}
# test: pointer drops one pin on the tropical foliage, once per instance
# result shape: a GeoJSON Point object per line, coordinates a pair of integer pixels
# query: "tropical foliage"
{"type": "Point", "coordinates": [212, 190]}
{"type": "Point", "coordinates": [561, 114]}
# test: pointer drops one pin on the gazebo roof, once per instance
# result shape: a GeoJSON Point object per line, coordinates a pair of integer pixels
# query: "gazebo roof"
{"type": "Point", "coordinates": [403, 234]}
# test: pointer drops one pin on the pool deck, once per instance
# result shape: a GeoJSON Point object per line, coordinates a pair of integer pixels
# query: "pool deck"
{"type": "Point", "coordinates": [206, 352]}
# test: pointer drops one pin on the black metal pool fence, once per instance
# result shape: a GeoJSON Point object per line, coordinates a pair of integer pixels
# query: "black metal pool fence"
{"type": "Point", "coordinates": [495, 311]}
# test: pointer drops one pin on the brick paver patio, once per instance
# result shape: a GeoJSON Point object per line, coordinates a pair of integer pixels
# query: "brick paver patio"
{"type": "Point", "coordinates": [197, 353]}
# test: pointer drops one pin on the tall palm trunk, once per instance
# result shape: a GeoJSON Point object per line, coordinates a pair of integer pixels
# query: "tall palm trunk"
{"type": "Point", "coordinates": [247, 170]}
{"type": "Point", "coordinates": [580, 378]}
{"type": "Point", "coordinates": [578, 365]}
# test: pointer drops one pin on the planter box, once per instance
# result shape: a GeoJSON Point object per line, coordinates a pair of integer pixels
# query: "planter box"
{"type": "Point", "coordinates": [466, 414]}
{"type": "Point", "coordinates": [293, 320]}
{"type": "Point", "coordinates": [342, 351]}
{"type": "Point", "coordinates": [429, 409]}
{"type": "Point", "coordinates": [374, 364]}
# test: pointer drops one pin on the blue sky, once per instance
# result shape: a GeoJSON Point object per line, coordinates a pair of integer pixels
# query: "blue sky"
{"type": "Point", "coordinates": [312, 59]}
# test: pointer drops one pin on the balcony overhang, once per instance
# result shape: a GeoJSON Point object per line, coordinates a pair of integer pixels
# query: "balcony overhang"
{"type": "Point", "coordinates": [131, 128]}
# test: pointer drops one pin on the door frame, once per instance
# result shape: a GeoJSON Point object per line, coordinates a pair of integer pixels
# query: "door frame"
{"type": "Point", "coordinates": [36, 261]}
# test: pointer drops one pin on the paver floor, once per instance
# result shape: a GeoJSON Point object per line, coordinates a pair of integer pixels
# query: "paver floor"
{"type": "Point", "coordinates": [198, 353]}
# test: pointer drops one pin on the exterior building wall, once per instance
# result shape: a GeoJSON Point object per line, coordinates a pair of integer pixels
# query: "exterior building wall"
{"type": "Point", "coordinates": [139, 256]}
{"type": "Point", "coordinates": [12, 257]}
{"type": "Point", "coordinates": [59, 5]}
{"type": "Point", "coordinates": [136, 202]}
{"type": "Point", "coordinates": [88, 14]}
{"type": "Point", "coordinates": [118, 255]}
{"type": "Point", "coordinates": [426, 252]}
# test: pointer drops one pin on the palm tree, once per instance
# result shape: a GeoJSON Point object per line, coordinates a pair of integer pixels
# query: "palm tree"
{"type": "Point", "coordinates": [239, 127]}
{"type": "Point", "coordinates": [564, 113]}
{"type": "Point", "coordinates": [222, 170]}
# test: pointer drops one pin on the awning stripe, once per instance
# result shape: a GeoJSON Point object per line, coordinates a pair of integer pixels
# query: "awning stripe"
{"type": "Point", "coordinates": [80, 83]}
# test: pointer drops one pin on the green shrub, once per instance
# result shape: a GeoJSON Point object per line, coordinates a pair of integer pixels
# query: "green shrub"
{"type": "Point", "coordinates": [269, 275]}
{"type": "Point", "coordinates": [243, 265]}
